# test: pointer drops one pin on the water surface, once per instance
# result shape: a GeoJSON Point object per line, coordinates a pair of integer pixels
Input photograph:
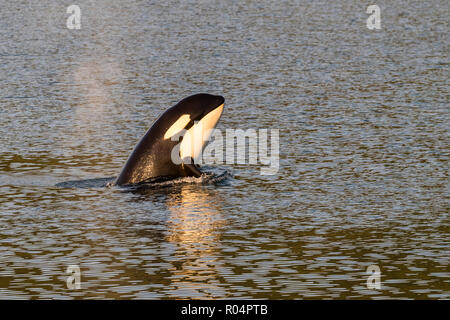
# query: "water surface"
{"type": "Point", "coordinates": [364, 154]}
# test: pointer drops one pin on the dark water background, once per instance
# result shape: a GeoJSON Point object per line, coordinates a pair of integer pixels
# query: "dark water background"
{"type": "Point", "coordinates": [364, 149]}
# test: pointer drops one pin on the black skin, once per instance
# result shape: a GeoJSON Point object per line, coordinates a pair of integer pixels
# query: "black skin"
{"type": "Point", "coordinates": [152, 155]}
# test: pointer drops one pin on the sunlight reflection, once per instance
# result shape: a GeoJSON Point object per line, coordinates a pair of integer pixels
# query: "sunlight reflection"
{"type": "Point", "coordinates": [194, 227]}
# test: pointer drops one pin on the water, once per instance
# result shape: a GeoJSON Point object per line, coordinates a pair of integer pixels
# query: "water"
{"type": "Point", "coordinates": [364, 150]}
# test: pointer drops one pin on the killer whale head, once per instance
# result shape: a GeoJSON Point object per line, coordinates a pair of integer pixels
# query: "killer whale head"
{"type": "Point", "coordinates": [175, 141]}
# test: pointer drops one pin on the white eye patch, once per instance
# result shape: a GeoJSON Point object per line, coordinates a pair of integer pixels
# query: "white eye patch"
{"type": "Point", "coordinates": [179, 125]}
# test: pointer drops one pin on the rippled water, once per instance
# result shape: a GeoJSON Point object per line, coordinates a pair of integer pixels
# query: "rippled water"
{"type": "Point", "coordinates": [364, 149]}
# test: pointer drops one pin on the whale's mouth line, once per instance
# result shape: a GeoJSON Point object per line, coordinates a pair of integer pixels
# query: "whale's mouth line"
{"type": "Point", "coordinates": [209, 175]}
{"type": "Point", "coordinates": [204, 115]}
{"type": "Point", "coordinates": [214, 110]}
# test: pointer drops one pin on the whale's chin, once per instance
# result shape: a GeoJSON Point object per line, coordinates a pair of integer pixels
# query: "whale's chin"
{"type": "Point", "coordinates": [193, 119]}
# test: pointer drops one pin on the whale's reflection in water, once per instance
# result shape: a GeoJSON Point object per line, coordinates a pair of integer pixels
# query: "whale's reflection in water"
{"type": "Point", "coordinates": [194, 227]}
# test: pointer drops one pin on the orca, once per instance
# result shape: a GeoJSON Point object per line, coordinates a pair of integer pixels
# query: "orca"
{"type": "Point", "coordinates": [160, 154]}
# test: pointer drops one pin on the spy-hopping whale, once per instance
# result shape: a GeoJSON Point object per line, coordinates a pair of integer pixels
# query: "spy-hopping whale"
{"type": "Point", "coordinates": [160, 154]}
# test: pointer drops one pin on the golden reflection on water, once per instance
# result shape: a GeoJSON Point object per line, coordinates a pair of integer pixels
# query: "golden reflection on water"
{"type": "Point", "coordinates": [195, 228]}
